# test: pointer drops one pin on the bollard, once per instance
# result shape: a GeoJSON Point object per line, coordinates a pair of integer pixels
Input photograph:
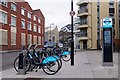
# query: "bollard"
{"type": "Point", "coordinates": [21, 65]}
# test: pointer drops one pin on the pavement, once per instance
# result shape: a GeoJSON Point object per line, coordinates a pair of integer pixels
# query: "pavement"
{"type": "Point", "coordinates": [88, 64]}
{"type": "Point", "coordinates": [7, 60]}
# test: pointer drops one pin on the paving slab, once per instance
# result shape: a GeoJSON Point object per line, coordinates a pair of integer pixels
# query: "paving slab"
{"type": "Point", "coordinates": [88, 64]}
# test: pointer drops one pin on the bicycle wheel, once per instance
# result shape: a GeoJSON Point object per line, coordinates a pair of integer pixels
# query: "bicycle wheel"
{"type": "Point", "coordinates": [27, 65]}
{"type": "Point", "coordinates": [35, 60]}
{"type": "Point", "coordinates": [59, 60]}
{"type": "Point", "coordinates": [51, 68]}
{"type": "Point", "coordinates": [66, 57]}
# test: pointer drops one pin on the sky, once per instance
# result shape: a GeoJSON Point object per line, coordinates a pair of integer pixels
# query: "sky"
{"type": "Point", "coordinates": [55, 11]}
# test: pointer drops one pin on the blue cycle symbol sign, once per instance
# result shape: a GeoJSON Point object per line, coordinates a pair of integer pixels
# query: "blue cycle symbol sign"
{"type": "Point", "coordinates": [107, 22]}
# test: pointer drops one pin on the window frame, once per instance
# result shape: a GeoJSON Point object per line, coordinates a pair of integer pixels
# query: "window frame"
{"type": "Point", "coordinates": [39, 29]}
{"type": "Point", "coordinates": [34, 18]}
{"type": "Point", "coordinates": [35, 28]}
{"type": "Point", "coordinates": [22, 9]}
{"type": "Point", "coordinates": [15, 5]}
{"type": "Point", "coordinates": [29, 27]}
{"type": "Point", "coordinates": [12, 24]}
{"type": "Point", "coordinates": [5, 3]}
{"type": "Point", "coordinates": [24, 24]}
{"type": "Point", "coordinates": [29, 16]}
{"type": "Point", "coordinates": [39, 20]}
{"type": "Point", "coordinates": [5, 21]}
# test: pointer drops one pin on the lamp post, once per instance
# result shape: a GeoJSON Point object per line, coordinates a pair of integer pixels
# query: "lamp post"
{"type": "Point", "coordinates": [50, 30]}
{"type": "Point", "coordinates": [72, 13]}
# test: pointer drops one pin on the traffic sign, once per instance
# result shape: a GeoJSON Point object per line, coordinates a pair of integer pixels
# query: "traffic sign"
{"type": "Point", "coordinates": [72, 13]}
{"type": "Point", "coordinates": [107, 23]}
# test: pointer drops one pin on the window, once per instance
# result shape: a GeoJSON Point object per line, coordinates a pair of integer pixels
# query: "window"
{"type": "Point", "coordinates": [39, 30]}
{"type": "Point", "coordinates": [23, 24]}
{"type": "Point", "coordinates": [39, 20]}
{"type": "Point", "coordinates": [35, 39]}
{"type": "Point", "coordinates": [29, 26]}
{"type": "Point", "coordinates": [83, 33]}
{"type": "Point", "coordinates": [13, 21]}
{"type": "Point", "coordinates": [111, 10]}
{"type": "Point", "coordinates": [13, 6]}
{"type": "Point", "coordinates": [83, 20]}
{"type": "Point", "coordinates": [29, 39]}
{"type": "Point", "coordinates": [83, 8]}
{"type": "Point", "coordinates": [3, 37]}
{"type": "Point", "coordinates": [23, 38]}
{"type": "Point", "coordinates": [34, 18]}
{"type": "Point", "coordinates": [22, 11]}
{"type": "Point", "coordinates": [35, 28]}
{"type": "Point", "coordinates": [13, 38]}
{"type": "Point", "coordinates": [39, 40]}
{"type": "Point", "coordinates": [3, 19]}
{"type": "Point", "coordinates": [3, 2]}
{"type": "Point", "coordinates": [29, 15]}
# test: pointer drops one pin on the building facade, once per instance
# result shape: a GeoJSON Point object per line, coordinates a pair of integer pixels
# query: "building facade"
{"type": "Point", "coordinates": [90, 15]}
{"type": "Point", "coordinates": [20, 25]}
{"type": "Point", "coordinates": [52, 34]}
{"type": "Point", "coordinates": [65, 35]}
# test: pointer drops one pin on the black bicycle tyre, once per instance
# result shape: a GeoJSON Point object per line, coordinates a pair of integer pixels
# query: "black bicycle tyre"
{"type": "Point", "coordinates": [59, 60]}
{"type": "Point", "coordinates": [49, 69]}
{"type": "Point", "coordinates": [64, 58]}
{"type": "Point", "coordinates": [33, 65]}
{"type": "Point", "coordinates": [15, 67]}
{"type": "Point", "coordinates": [60, 64]}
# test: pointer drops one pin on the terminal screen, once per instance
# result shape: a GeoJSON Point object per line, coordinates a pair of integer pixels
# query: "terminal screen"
{"type": "Point", "coordinates": [107, 38]}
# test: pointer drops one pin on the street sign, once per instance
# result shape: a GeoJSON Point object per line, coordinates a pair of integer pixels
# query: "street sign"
{"type": "Point", "coordinates": [107, 23]}
{"type": "Point", "coordinates": [107, 42]}
{"type": "Point", "coordinates": [72, 13]}
{"type": "Point", "coordinates": [107, 47]}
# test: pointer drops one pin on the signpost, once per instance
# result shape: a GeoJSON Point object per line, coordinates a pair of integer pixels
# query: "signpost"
{"type": "Point", "coordinates": [72, 13]}
{"type": "Point", "coordinates": [107, 42]}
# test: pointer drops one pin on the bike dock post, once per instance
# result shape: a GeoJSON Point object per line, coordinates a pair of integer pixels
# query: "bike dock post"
{"type": "Point", "coordinates": [21, 64]}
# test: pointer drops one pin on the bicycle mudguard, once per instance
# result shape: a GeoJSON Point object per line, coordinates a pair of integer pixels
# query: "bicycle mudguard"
{"type": "Point", "coordinates": [65, 53]}
{"type": "Point", "coordinates": [49, 59]}
{"type": "Point", "coordinates": [56, 57]}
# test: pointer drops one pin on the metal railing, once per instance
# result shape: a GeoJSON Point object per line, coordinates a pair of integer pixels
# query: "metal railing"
{"type": "Point", "coordinates": [82, 47]}
{"type": "Point", "coordinates": [81, 35]}
{"type": "Point", "coordinates": [83, 22]}
{"type": "Point", "coordinates": [82, 11]}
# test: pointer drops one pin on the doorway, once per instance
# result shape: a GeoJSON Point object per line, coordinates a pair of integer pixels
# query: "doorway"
{"type": "Point", "coordinates": [85, 44]}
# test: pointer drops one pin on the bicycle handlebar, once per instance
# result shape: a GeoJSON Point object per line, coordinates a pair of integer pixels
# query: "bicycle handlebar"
{"type": "Point", "coordinates": [35, 46]}
{"type": "Point", "coordinates": [30, 45]}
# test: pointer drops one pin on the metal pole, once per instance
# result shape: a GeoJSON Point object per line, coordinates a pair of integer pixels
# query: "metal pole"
{"type": "Point", "coordinates": [72, 41]}
{"type": "Point", "coordinates": [50, 31]}
{"type": "Point", "coordinates": [99, 26]}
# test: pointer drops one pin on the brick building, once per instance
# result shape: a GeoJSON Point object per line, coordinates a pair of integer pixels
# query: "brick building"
{"type": "Point", "coordinates": [20, 25]}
